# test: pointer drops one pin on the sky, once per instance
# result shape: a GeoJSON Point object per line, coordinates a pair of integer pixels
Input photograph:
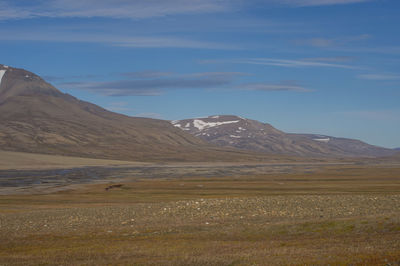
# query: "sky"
{"type": "Point", "coordinates": [328, 67]}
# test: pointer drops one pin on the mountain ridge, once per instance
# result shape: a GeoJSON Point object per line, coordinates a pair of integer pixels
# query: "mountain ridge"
{"type": "Point", "coordinates": [36, 117]}
{"type": "Point", "coordinates": [243, 133]}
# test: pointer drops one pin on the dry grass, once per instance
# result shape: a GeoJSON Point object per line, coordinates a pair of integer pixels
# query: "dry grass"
{"type": "Point", "coordinates": [336, 215]}
{"type": "Point", "coordinates": [22, 160]}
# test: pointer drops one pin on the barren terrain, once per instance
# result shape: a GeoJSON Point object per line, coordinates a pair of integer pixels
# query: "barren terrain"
{"type": "Point", "coordinates": [194, 215]}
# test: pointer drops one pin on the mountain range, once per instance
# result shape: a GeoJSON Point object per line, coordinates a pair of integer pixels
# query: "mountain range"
{"type": "Point", "coordinates": [36, 117]}
{"type": "Point", "coordinates": [242, 133]}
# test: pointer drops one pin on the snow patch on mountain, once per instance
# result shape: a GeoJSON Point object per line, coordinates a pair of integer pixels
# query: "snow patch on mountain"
{"type": "Point", "coordinates": [2, 72]}
{"type": "Point", "coordinates": [233, 131]}
{"type": "Point", "coordinates": [180, 126]}
{"type": "Point", "coordinates": [200, 124]}
{"type": "Point", "coordinates": [325, 140]}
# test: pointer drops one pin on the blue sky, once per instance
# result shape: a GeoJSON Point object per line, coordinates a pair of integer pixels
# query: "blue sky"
{"type": "Point", "coordinates": [308, 66]}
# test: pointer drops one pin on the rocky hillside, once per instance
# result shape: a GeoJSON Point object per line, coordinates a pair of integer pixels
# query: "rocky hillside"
{"type": "Point", "coordinates": [234, 131]}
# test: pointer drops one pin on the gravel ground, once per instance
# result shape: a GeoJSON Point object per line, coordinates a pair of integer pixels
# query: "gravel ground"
{"type": "Point", "coordinates": [142, 216]}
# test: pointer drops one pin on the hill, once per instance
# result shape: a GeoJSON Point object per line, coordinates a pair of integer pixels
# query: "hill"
{"type": "Point", "coordinates": [234, 131]}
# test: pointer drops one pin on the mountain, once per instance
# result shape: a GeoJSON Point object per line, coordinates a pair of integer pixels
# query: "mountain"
{"type": "Point", "coordinates": [234, 131]}
{"type": "Point", "coordinates": [36, 117]}
{"type": "Point", "coordinates": [396, 149]}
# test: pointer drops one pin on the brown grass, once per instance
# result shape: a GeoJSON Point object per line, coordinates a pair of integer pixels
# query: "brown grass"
{"type": "Point", "coordinates": [336, 215]}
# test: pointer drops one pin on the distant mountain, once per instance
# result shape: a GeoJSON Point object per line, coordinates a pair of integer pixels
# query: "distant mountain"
{"type": "Point", "coordinates": [234, 131]}
{"type": "Point", "coordinates": [396, 149]}
{"type": "Point", "coordinates": [36, 117]}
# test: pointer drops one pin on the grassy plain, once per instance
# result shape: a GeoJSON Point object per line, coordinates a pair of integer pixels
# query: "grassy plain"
{"type": "Point", "coordinates": [334, 214]}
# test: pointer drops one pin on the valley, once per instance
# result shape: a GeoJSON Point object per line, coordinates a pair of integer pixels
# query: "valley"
{"type": "Point", "coordinates": [200, 133]}
{"type": "Point", "coordinates": [81, 185]}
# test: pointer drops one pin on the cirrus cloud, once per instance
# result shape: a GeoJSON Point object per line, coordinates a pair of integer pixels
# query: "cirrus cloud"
{"type": "Point", "coordinates": [133, 9]}
{"type": "Point", "coordinates": [297, 63]}
{"type": "Point", "coordinates": [283, 86]}
{"type": "Point", "coordinates": [321, 2]}
{"type": "Point", "coordinates": [139, 9]}
{"type": "Point", "coordinates": [157, 86]}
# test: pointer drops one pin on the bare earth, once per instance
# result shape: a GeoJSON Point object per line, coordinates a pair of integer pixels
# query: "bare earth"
{"type": "Point", "coordinates": [337, 214]}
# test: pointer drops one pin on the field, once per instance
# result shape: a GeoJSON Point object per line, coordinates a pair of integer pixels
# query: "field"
{"type": "Point", "coordinates": [201, 214]}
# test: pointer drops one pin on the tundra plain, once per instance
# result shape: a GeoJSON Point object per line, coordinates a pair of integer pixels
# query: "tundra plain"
{"type": "Point", "coordinates": [336, 213]}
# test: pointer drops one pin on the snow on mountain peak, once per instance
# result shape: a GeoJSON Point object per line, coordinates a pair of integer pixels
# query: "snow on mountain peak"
{"type": "Point", "coordinates": [325, 140]}
{"type": "Point", "coordinates": [2, 72]}
{"type": "Point", "coordinates": [234, 131]}
{"type": "Point", "coordinates": [180, 126]}
{"type": "Point", "coordinates": [200, 124]}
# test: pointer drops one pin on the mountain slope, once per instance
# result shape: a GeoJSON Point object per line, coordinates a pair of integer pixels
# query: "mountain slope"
{"type": "Point", "coordinates": [234, 131]}
{"type": "Point", "coordinates": [36, 117]}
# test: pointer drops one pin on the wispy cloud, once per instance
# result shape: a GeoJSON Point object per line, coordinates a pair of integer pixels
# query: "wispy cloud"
{"type": "Point", "coordinates": [134, 9]}
{"type": "Point", "coordinates": [144, 85]}
{"type": "Point", "coordinates": [157, 86]}
{"type": "Point", "coordinates": [138, 9]}
{"type": "Point", "coordinates": [63, 78]}
{"type": "Point", "coordinates": [166, 42]}
{"type": "Point", "coordinates": [335, 59]}
{"type": "Point", "coordinates": [284, 86]}
{"type": "Point", "coordinates": [379, 77]}
{"type": "Point", "coordinates": [111, 39]}
{"type": "Point", "coordinates": [147, 74]}
{"type": "Point", "coordinates": [332, 42]}
{"type": "Point", "coordinates": [218, 75]}
{"type": "Point", "coordinates": [319, 42]}
{"type": "Point", "coordinates": [12, 12]}
{"type": "Point", "coordinates": [282, 62]}
{"type": "Point", "coordinates": [114, 88]}
{"type": "Point", "coordinates": [321, 2]}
